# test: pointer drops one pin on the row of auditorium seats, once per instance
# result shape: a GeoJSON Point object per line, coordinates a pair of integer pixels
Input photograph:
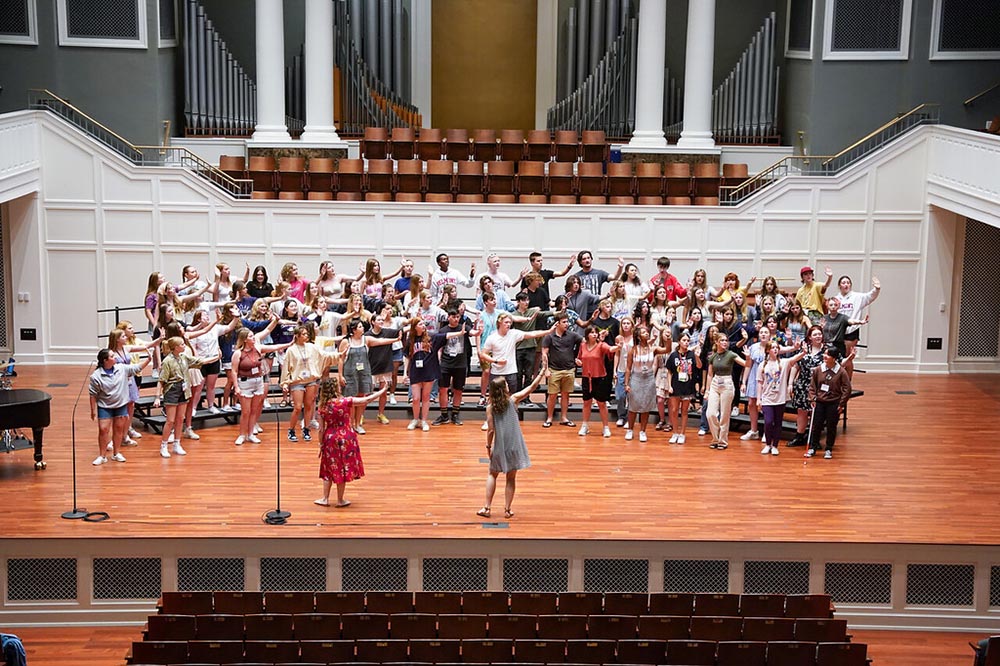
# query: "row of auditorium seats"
{"type": "Point", "coordinates": [324, 626]}
{"type": "Point", "coordinates": [686, 652]}
{"type": "Point", "coordinates": [403, 143]}
{"type": "Point", "coordinates": [478, 182]}
{"type": "Point", "coordinates": [489, 603]}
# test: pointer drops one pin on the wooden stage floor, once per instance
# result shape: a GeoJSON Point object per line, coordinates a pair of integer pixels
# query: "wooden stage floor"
{"type": "Point", "coordinates": [912, 468]}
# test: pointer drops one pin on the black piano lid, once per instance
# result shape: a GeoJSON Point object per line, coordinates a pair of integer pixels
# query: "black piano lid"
{"type": "Point", "coordinates": [22, 397]}
{"type": "Point", "coordinates": [24, 408]}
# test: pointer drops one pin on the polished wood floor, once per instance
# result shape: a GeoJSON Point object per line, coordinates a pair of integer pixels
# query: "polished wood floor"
{"type": "Point", "coordinates": [911, 469]}
{"type": "Point", "coordinates": [107, 646]}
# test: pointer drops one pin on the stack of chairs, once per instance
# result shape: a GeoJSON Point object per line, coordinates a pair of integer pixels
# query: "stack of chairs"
{"type": "Point", "coordinates": [392, 627]}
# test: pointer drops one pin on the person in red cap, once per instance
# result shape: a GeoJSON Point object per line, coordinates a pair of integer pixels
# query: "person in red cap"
{"type": "Point", "coordinates": [811, 294]}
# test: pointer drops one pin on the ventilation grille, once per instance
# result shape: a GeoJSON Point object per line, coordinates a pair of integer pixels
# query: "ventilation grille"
{"type": "Point", "coordinates": [616, 575]}
{"type": "Point", "coordinates": [168, 21]}
{"type": "Point", "coordinates": [4, 296]}
{"type": "Point", "coordinates": [978, 317]}
{"type": "Point", "coordinates": [14, 19]}
{"type": "Point", "coordinates": [696, 576]}
{"type": "Point", "coordinates": [38, 579]}
{"type": "Point", "coordinates": [292, 574]}
{"type": "Point", "coordinates": [969, 25]}
{"type": "Point", "coordinates": [940, 584]}
{"type": "Point", "coordinates": [210, 573]}
{"type": "Point", "coordinates": [127, 578]}
{"type": "Point", "coordinates": [374, 573]}
{"type": "Point", "coordinates": [859, 583]}
{"type": "Point", "coordinates": [773, 577]}
{"type": "Point", "coordinates": [867, 25]}
{"type": "Point", "coordinates": [443, 574]}
{"type": "Point", "coordinates": [535, 575]}
{"type": "Point", "coordinates": [994, 586]}
{"type": "Point", "coordinates": [800, 25]}
{"type": "Point", "coordinates": [108, 19]}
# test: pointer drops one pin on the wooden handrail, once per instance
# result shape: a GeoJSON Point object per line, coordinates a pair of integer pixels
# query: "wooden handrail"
{"type": "Point", "coordinates": [972, 99]}
{"type": "Point", "coordinates": [884, 127]}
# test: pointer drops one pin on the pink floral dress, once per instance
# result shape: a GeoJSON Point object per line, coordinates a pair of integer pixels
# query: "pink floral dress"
{"type": "Point", "coordinates": [340, 456]}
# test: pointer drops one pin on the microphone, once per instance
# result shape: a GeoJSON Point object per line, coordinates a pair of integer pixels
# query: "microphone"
{"type": "Point", "coordinates": [77, 512]}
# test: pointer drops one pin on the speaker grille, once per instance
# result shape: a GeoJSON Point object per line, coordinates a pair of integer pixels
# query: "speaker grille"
{"type": "Point", "coordinates": [127, 578]}
{"type": "Point", "coordinates": [606, 575]}
{"type": "Point", "coordinates": [775, 577]}
{"type": "Point", "coordinates": [442, 574]}
{"type": "Point", "coordinates": [210, 573]}
{"type": "Point", "coordinates": [696, 576]}
{"type": "Point", "coordinates": [535, 575]}
{"type": "Point", "coordinates": [292, 574]}
{"type": "Point", "coordinates": [940, 584]}
{"type": "Point", "coordinates": [374, 573]}
{"type": "Point", "coordinates": [859, 582]}
{"type": "Point", "coordinates": [41, 579]}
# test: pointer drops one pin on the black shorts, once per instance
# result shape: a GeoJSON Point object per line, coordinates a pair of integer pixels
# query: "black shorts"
{"type": "Point", "coordinates": [211, 368]}
{"type": "Point", "coordinates": [597, 388]}
{"type": "Point", "coordinates": [453, 378]}
{"type": "Point", "coordinates": [856, 335]}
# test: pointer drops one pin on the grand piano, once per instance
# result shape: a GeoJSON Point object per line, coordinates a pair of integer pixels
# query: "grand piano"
{"type": "Point", "coordinates": [24, 408]}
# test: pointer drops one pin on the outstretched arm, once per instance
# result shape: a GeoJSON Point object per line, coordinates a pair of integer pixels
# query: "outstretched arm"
{"type": "Point", "coordinates": [526, 391]}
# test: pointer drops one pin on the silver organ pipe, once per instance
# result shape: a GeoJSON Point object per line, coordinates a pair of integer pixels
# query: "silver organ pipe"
{"type": "Point", "coordinates": [582, 40]}
{"type": "Point", "coordinates": [744, 105]}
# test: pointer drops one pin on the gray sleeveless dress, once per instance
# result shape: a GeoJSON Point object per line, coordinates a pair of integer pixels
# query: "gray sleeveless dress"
{"type": "Point", "coordinates": [509, 451]}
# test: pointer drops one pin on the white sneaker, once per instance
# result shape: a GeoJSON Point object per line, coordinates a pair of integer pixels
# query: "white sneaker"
{"type": "Point", "coordinates": [620, 422]}
{"type": "Point", "coordinates": [735, 412]}
{"type": "Point", "coordinates": [239, 440]}
{"type": "Point", "coordinates": [128, 441]}
{"type": "Point", "coordinates": [228, 409]}
{"type": "Point", "coordinates": [257, 429]}
{"type": "Point", "coordinates": [134, 434]}
{"type": "Point", "coordinates": [100, 460]}
{"type": "Point", "coordinates": [810, 453]}
{"type": "Point", "coordinates": [642, 435]}
{"type": "Point", "coordinates": [584, 430]}
{"type": "Point", "coordinates": [118, 457]}
{"type": "Point", "coordinates": [681, 439]}
{"type": "Point", "coordinates": [828, 455]}
{"type": "Point", "coordinates": [702, 432]}
{"type": "Point", "coordinates": [425, 426]}
{"type": "Point", "coordinates": [673, 438]}
{"type": "Point", "coordinates": [179, 450]}
{"type": "Point", "coordinates": [414, 423]}
{"type": "Point", "coordinates": [628, 435]}
{"type": "Point", "coordinates": [254, 438]}
{"type": "Point", "coordinates": [214, 410]}
{"type": "Point", "coordinates": [750, 434]}
{"type": "Point", "coordinates": [392, 399]}
{"type": "Point", "coordinates": [267, 403]}
{"type": "Point", "coordinates": [359, 429]}
{"type": "Point", "coordinates": [774, 450]}
{"type": "Point", "coordinates": [155, 374]}
{"type": "Point", "coordinates": [764, 451]}
{"type": "Point", "coordinates": [191, 434]}
{"type": "Point", "coordinates": [110, 446]}
{"type": "Point", "coordinates": [607, 431]}
{"type": "Point", "coordinates": [237, 407]}
{"type": "Point", "coordinates": [163, 451]}
{"type": "Point", "coordinates": [763, 437]}
{"type": "Point", "coordinates": [314, 424]}
{"type": "Point", "coordinates": [485, 427]}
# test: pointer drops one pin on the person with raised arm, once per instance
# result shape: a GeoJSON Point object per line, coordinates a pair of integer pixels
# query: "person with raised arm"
{"type": "Point", "coordinates": [109, 400]}
{"type": "Point", "coordinates": [444, 274]}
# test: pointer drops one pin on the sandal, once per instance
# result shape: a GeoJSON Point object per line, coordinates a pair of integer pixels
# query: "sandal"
{"type": "Point", "coordinates": [322, 502]}
{"type": "Point", "coordinates": [659, 425]}
{"type": "Point", "coordinates": [547, 424]}
{"type": "Point", "coordinates": [484, 512]}
{"type": "Point", "coordinates": [567, 423]}
{"type": "Point", "coordinates": [667, 427]}
{"type": "Point", "coordinates": [508, 513]}
{"type": "Point", "coordinates": [341, 505]}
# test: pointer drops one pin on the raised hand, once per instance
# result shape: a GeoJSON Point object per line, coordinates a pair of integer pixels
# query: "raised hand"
{"type": "Point", "coordinates": [876, 283]}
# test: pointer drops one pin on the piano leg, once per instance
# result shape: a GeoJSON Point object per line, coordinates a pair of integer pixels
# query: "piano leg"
{"type": "Point", "coordinates": [39, 463]}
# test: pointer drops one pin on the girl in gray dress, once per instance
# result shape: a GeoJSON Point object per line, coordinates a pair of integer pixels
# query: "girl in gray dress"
{"type": "Point", "coordinates": [504, 441]}
{"type": "Point", "coordinates": [640, 380]}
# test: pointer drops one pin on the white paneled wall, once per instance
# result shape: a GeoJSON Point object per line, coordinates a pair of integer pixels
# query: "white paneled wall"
{"type": "Point", "coordinates": [102, 226]}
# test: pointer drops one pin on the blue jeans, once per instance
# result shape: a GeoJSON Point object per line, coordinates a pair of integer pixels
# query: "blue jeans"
{"type": "Point", "coordinates": [621, 397]}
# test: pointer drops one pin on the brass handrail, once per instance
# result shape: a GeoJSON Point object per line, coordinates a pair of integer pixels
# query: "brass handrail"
{"type": "Point", "coordinates": [754, 183]}
{"type": "Point", "coordinates": [870, 135]}
{"type": "Point", "coordinates": [237, 187]}
{"type": "Point", "coordinates": [972, 99]}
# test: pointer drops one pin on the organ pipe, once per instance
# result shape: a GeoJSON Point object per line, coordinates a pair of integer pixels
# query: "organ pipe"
{"type": "Point", "coordinates": [745, 103]}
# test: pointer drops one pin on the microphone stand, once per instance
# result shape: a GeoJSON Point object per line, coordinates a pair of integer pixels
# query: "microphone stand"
{"type": "Point", "coordinates": [77, 513]}
{"type": "Point", "coordinates": [276, 516]}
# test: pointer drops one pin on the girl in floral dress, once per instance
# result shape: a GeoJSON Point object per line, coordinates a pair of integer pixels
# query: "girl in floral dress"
{"type": "Point", "coordinates": [339, 454]}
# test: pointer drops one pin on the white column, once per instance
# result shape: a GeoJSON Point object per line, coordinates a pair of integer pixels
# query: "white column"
{"type": "Point", "coordinates": [698, 67]}
{"type": "Point", "coordinates": [319, 73]}
{"type": "Point", "coordinates": [270, 72]}
{"type": "Point", "coordinates": [651, 57]}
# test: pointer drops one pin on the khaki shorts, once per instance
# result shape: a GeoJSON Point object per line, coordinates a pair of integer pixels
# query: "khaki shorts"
{"type": "Point", "coordinates": [561, 381]}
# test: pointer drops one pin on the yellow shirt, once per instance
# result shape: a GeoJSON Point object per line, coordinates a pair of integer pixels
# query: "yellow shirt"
{"type": "Point", "coordinates": [811, 297]}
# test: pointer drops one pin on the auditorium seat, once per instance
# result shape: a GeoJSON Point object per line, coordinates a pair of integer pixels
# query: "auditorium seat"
{"type": "Point", "coordinates": [593, 146]}
{"type": "Point", "coordinates": [340, 602]}
{"type": "Point", "coordinates": [484, 145]}
{"type": "Point", "coordinates": [289, 602]}
{"type": "Point", "coordinates": [762, 605]}
{"type": "Point", "coordinates": [439, 197]}
{"type": "Point", "coordinates": [648, 180]}
{"type": "Point", "coordinates": [429, 144]}
{"type": "Point", "coordinates": [512, 145]}
{"type": "Point", "coordinates": [471, 178]}
{"type": "Point", "coordinates": [693, 653]}
{"type": "Point", "coordinates": [159, 652]}
{"type": "Point", "coordinates": [706, 201]}
{"type": "Point", "coordinates": [671, 603]}
{"type": "Point", "coordinates": [677, 181]}
{"type": "Point", "coordinates": [821, 630]}
{"type": "Point", "coordinates": [435, 650]}
{"type": "Point", "coordinates": [402, 143]}
{"type": "Point", "coordinates": [585, 651]}
{"type": "Point", "coordinates": [665, 627]}
{"type": "Point", "coordinates": [379, 180]}
{"type": "Point", "coordinates": [319, 178]}
{"type": "Point", "coordinates": [621, 180]}
{"type": "Point", "coordinates": [678, 201]}
{"type": "Point", "coordinates": [186, 603]}
{"type": "Point", "coordinates": [530, 179]}
{"type": "Point", "coordinates": [808, 605]}
{"type": "Point", "coordinates": [734, 174]}
{"type": "Point", "coordinates": [409, 180]}
{"type": "Point", "coordinates": [512, 625]}
{"type": "Point", "coordinates": [841, 654]}
{"type": "Point", "coordinates": [219, 627]}
{"type": "Point", "coordinates": [487, 650]}
{"type": "Point", "coordinates": [593, 199]}
{"type": "Point", "coordinates": [716, 604]}
{"type": "Point", "coordinates": [641, 651]}
{"type": "Point", "coordinates": [291, 177]}
{"type": "Point", "coordinates": [650, 201]}
{"type": "Point", "coordinates": [440, 178]}
{"type": "Point", "coordinates": [791, 653]}
{"type": "Point", "coordinates": [562, 626]}
{"type": "Point", "coordinates": [261, 171]}
{"type": "Point", "coordinates": [268, 627]}
{"type": "Point", "coordinates": [350, 179]}
{"type": "Point", "coordinates": [626, 603]}
{"type": "Point", "coordinates": [706, 180]}
{"type": "Point", "coordinates": [612, 627]}
{"type": "Point", "coordinates": [590, 179]}
{"type": "Point", "coordinates": [466, 625]}
{"type": "Point", "coordinates": [539, 651]}
{"type": "Point", "coordinates": [768, 629]}
{"type": "Point", "coordinates": [381, 651]}
{"type": "Point", "coordinates": [741, 653]}
{"type": "Point", "coordinates": [456, 145]}
{"type": "Point", "coordinates": [364, 625]}
{"type": "Point", "coordinates": [581, 603]}
{"type": "Point", "coordinates": [567, 145]}
{"type": "Point", "coordinates": [316, 626]}
{"type": "Point", "coordinates": [501, 198]}
{"type": "Point", "coordinates": [233, 166]}
{"type": "Point", "coordinates": [413, 625]}
{"type": "Point", "coordinates": [375, 143]}
{"type": "Point", "coordinates": [563, 198]}
{"type": "Point", "coordinates": [485, 603]}
{"type": "Point", "coordinates": [170, 628]}
{"type": "Point", "coordinates": [215, 652]}
{"type": "Point", "coordinates": [718, 628]}
{"type": "Point", "coordinates": [562, 182]}
{"type": "Point", "coordinates": [326, 651]}
{"type": "Point", "coordinates": [538, 146]}
{"type": "Point", "coordinates": [500, 179]}
{"type": "Point", "coordinates": [271, 652]}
